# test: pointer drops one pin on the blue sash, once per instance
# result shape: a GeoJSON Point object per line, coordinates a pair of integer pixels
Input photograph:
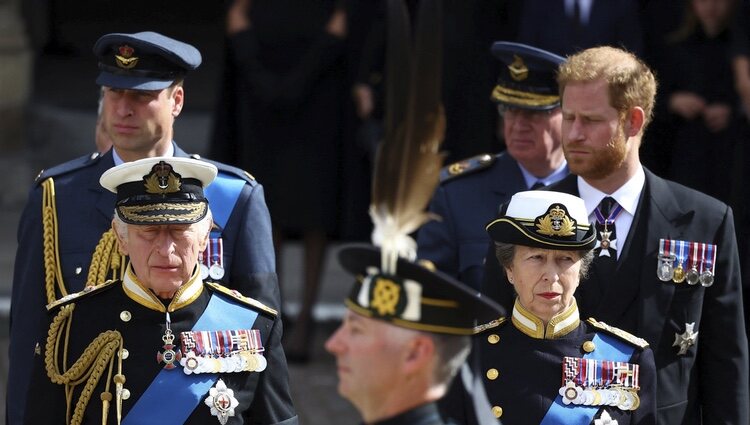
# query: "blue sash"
{"type": "Point", "coordinates": [173, 395]}
{"type": "Point", "coordinates": [607, 348]}
{"type": "Point", "coordinates": [222, 194]}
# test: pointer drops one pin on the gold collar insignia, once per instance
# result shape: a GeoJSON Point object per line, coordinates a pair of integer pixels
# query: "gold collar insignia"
{"type": "Point", "coordinates": [559, 326]}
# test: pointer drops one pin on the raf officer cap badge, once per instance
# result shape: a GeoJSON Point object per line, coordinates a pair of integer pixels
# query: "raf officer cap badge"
{"type": "Point", "coordinates": [143, 61]}
{"type": "Point", "coordinates": [527, 81]}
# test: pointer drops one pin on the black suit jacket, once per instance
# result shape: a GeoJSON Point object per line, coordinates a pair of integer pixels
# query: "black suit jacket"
{"type": "Point", "coordinates": [709, 383]}
{"type": "Point", "coordinates": [544, 24]}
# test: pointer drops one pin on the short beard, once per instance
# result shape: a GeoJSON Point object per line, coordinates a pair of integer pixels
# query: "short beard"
{"type": "Point", "coordinates": [604, 162]}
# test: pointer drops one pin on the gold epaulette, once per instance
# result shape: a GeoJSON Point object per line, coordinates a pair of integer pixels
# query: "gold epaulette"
{"type": "Point", "coordinates": [234, 294]}
{"type": "Point", "coordinates": [89, 290]}
{"type": "Point", "coordinates": [623, 335]}
{"type": "Point", "coordinates": [466, 166]}
{"type": "Point", "coordinates": [491, 325]}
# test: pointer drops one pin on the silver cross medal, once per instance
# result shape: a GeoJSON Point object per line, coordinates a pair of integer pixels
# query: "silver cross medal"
{"type": "Point", "coordinates": [685, 340]}
{"type": "Point", "coordinates": [605, 244]}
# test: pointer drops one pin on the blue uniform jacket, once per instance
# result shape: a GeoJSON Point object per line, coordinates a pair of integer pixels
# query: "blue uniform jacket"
{"type": "Point", "coordinates": [84, 212]}
{"type": "Point", "coordinates": [466, 202]}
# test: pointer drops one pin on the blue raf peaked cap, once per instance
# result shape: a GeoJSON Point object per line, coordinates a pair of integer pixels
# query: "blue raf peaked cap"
{"type": "Point", "coordinates": [527, 80]}
{"type": "Point", "coordinates": [143, 61]}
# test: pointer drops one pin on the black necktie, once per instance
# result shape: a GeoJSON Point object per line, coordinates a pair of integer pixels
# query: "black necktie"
{"type": "Point", "coordinates": [537, 185]}
{"type": "Point", "coordinates": [606, 248]}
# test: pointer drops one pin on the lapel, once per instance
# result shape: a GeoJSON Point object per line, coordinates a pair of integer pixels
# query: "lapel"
{"type": "Point", "coordinates": [104, 200]}
{"type": "Point", "coordinates": [666, 219]}
{"type": "Point", "coordinates": [178, 151]}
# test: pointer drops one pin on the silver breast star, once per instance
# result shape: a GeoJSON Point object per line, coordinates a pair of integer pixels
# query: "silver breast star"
{"type": "Point", "coordinates": [685, 340]}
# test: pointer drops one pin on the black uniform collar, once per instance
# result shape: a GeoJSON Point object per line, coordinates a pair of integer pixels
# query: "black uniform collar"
{"type": "Point", "coordinates": [426, 414]}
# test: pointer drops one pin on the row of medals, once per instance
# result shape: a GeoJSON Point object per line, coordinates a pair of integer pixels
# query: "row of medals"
{"type": "Point", "coordinates": [666, 271]}
{"type": "Point", "coordinates": [623, 399]}
{"type": "Point", "coordinates": [242, 361]}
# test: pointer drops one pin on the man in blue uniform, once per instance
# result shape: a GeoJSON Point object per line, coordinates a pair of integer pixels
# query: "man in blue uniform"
{"type": "Point", "coordinates": [472, 190]}
{"type": "Point", "coordinates": [219, 357]}
{"type": "Point", "coordinates": [63, 238]}
{"type": "Point", "coordinates": [666, 266]}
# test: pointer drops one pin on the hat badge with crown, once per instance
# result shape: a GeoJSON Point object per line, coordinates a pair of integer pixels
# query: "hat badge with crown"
{"type": "Point", "coordinates": [556, 222]}
{"type": "Point", "coordinates": [125, 59]}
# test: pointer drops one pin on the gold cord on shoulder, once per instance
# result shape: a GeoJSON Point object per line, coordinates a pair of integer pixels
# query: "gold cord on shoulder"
{"type": "Point", "coordinates": [99, 355]}
{"type": "Point", "coordinates": [52, 271]}
{"type": "Point", "coordinates": [106, 262]}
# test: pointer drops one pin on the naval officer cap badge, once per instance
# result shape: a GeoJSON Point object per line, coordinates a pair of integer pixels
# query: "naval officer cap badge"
{"type": "Point", "coordinates": [544, 219]}
{"type": "Point", "coordinates": [160, 190]}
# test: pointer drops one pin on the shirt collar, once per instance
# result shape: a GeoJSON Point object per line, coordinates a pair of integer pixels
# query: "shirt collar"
{"type": "Point", "coordinates": [186, 294]}
{"type": "Point", "coordinates": [553, 177]}
{"type": "Point", "coordinates": [560, 325]}
{"type": "Point", "coordinates": [627, 195]}
{"type": "Point", "coordinates": [118, 160]}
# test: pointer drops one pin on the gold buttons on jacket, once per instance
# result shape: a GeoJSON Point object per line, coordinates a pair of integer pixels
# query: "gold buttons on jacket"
{"type": "Point", "coordinates": [492, 374]}
{"type": "Point", "coordinates": [124, 353]}
{"type": "Point", "coordinates": [125, 316]}
{"type": "Point", "coordinates": [493, 339]}
{"type": "Point", "coordinates": [125, 393]}
{"type": "Point", "coordinates": [497, 411]}
{"type": "Point", "coordinates": [589, 346]}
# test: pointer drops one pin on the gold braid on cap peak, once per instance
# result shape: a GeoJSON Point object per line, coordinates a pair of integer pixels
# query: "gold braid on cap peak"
{"type": "Point", "coordinates": [88, 368]}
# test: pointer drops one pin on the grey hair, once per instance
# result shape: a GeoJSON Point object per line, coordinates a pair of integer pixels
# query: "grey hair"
{"type": "Point", "coordinates": [203, 225]}
{"type": "Point", "coordinates": [505, 252]}
{"type": "Point", "coordinates": [451, 351]}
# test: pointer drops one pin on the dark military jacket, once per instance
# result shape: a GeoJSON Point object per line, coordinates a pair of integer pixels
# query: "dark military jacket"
{"type": "Point", "coordinates": [523, 374]}
{"type": "Point", "coordinates": [84, 212]}
{"type": "Point", "coordinates": [427, 414]}
{"type": "Point", "coordinates": [116, 306]}
{"type": "Point", "coordinates": [468, 197]}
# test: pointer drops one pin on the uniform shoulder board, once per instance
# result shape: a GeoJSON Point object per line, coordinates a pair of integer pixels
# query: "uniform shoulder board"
{"type": "Point", "coordinates": [491, 325]}
{"type": "Point", "coordinates": [623, 335]}
{"type": "Point", "coordinates": [72, 165]}
{"type": "Point", "coordinates": [466, 166]}
{"type": "Point", "coordinates": [230, 170]}
{"type": "Point", "coordinates": [234, 294]}
{"type": "Point", "coordinates": [87, 291]}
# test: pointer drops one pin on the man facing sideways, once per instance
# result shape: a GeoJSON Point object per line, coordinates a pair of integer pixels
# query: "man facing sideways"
{"type": "Point", "coordinates": [404, 337]}
{"type": "Point", "coordinates": [471, 191]}
{"type": "Point", "coordinates": [64, 236]}
{"type": "Point", "coordinates": [666, 266]}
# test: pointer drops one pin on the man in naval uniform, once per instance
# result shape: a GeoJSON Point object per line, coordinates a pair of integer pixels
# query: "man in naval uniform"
{"type": "Point", "coordinates": [666, 266]}
{"type": "Point", "coordinates": [471, 191]}
{"type": "Point", "coordinates": [218, 354]}
{"type": "Point", "coordinates": [404, 337]}
{"type": "Point", "coordinates": [63, 238]}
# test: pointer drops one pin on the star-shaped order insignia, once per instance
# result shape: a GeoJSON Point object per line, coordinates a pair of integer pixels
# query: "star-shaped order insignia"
{"type": "Point", "coordinates": [605, 419]}
{"type": "Point", "coordinates": [221, 401]}
{"type": "Point", "coordinates": [685, 340]}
